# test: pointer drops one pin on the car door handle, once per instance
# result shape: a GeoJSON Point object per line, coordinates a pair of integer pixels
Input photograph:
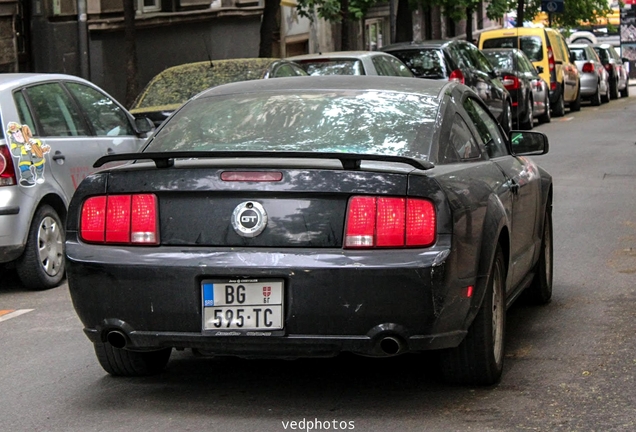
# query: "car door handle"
{"type": "Point", "coordinates": [58, 156]}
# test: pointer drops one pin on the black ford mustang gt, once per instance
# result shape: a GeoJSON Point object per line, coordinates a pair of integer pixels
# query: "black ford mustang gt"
{"type": "Point", "coordinates": [311, 216]}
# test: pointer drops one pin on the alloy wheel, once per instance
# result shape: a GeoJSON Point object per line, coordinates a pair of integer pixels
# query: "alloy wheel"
{"type": "Point", "coordinates": [50, 246]}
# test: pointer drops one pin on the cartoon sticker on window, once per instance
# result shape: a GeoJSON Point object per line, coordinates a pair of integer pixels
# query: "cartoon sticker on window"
{"type": "Point", "coordinates": [29, 152]}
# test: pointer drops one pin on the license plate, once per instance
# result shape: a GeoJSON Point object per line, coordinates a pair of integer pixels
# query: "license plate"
{"type": "Point", "coordinates": [243, 305]}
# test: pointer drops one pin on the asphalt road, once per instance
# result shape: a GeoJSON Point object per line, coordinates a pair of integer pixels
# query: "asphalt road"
{"type": "Point", "coordinates": [570, 365]}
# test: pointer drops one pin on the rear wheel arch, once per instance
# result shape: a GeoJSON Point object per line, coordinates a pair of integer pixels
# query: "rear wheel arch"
{"type": "Point", "coordinates": [495, 234]}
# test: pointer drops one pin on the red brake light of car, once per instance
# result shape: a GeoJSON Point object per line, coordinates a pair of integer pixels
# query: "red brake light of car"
{"type": "Point", "coordinates": [7, 170]}
{"type": "Point", "coordinates": [457, 76]}
{"type": "Point", "coordinates": [510, 82]}
{"type": "Point", "coordinates": [588, 67]}
{"type": "Point", "coordinates": [251, 176]}
{"type": "Point", "coordinates": [551, 63]}
{"type": "Point", "coordinates": [388, 222]}
{"type": "Point", "coordinates": [121, 219]}
{"type": "Point", "coordinates": [608, 67]}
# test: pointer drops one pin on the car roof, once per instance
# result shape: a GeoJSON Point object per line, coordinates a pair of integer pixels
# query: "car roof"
{"type": "Point", "coordinates": [430, 88]}
{"type": "Point", "coordinates": [439, 43]}
{"type": "Point", "coordinates": [12, 80]}
{"type": "Point", "coordinates": [337, 55]}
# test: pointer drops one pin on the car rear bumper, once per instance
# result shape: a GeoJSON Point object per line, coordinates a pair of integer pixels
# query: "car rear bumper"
{"type": "Point", "coordinates": [11, 233]}
{"type": "Point", "coordinates": [334, 300]}
{"type": "Point", "coordinates": [589, 84]}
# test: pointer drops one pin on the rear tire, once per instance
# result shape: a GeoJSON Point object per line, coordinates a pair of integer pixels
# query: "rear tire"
{"type": "Point", "coordinates": [625, 91]}
{"type": "Point", "coordinates": [540, 291]}
{"type": "Point", "coordinates": [121, 362]}
{"type": "Point", "coordinates": [479, 358]}
{"type": "Point", "coordinates": [41, 265]}
{"type": "Point", "coordinates": [614, 89]}
{"type": "Point", "coordinates": [528, 123]}
{"type": "Point", "coordinates": [545, 117]}
{"type": "Point", "coordinates": [606, 97]}
{"type": "Point", "coordinates": [575, 105]}
{"type": "Point", "coordinates": [559, 107]}
{"type": "Point", "coordinates": [596, 98]}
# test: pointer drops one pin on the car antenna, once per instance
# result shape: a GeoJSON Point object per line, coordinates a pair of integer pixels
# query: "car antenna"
{"type": "Point", "coordinates": [207, 51]}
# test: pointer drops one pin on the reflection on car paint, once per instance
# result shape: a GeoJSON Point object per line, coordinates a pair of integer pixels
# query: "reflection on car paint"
{"type": "Point", "coordinates": [30, 154]}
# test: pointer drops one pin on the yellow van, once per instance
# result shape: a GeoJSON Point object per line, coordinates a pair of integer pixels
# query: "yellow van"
{"type": "Point", "coordinates": [549, 53]}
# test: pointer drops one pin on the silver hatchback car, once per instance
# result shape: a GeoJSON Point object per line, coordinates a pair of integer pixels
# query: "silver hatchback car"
{"type": "Point", "coordinates": [54, 127]}
{"type": "Point", "coordinates": [595, 84]}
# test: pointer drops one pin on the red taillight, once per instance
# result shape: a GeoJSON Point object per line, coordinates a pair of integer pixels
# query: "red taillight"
{"type": "Point", "coordinates": [457, 76]}
{"type": "Point", "coordinates": [551, 63]}
{"type": "Point", "coordinates": [608, 67]}
{"type": "Point", "coordinates": [144, 219]}
{"type": "Point", "coordinates": [93, 221]}
{"type": "Point", "coordinates": [390, 222]}
{"type": "Point", "coordinates": [7, 170]}
{"type": "Point", "coordinates": [420, 222]}
{"type": "Point", "coordinates": [124, 219]}
{"type": "Point", "coordinates": [510, 82]}
{"type": "Point", "coordinates": [588, 67]}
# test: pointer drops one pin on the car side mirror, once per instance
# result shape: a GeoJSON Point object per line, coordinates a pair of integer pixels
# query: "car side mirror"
{"type": "Point", "coordinates": [539, 69]}
{"type": "Point", "coordinates": [524, 143]}
{"type": "Point", "coordinates": [144, 125]}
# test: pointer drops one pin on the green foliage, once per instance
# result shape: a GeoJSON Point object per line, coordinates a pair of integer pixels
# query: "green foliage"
{"type": "Point", "coordinates": [172, 87]}
{"type": "Point", "coordinates": [332, 10]}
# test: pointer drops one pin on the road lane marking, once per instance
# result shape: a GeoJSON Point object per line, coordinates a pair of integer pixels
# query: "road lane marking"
{"type": "Point", "coordinates": [8, 314]}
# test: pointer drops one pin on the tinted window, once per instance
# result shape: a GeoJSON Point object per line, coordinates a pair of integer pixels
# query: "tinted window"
{"type": "Point", "coordinates": [604, 56]}
{"type": "Point", "coordinates": [578, 53]}
{"type": "Point", "coordinates": [400, 68]}
{"type": "Point", "coordinates": [532, 46]}
{"type": "Point", "coordinates": [103, 113]}
{"type": "Point", "coordinates": [55, 111]}
{"type": "Point", "coordinates": [461, 140]}
{"type": "Point", "coordinates": [487, 128]}
{"type": "Point", "coordinates": [284, 70]}
{"type": "Point", "coordinates": [24, 113]}
{"type": "Point", "coordinates": [382, 66]}
{"type": "Point", "coordinates": [332, 67]}
{"type": "Point", "coordinates": [389, 123]}
{"type": "Point", "coordinates": [461, 53]}
{"type": "Point", "coordinates": [478, 59]}
{"type": "Point", "coordinates": [503, 42]}
{"type": "Point", "coordinates": [500, 60]}
{"type": "Point", "coordinates": [424, 63]}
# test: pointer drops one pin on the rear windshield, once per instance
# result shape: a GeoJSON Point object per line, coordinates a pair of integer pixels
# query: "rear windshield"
{"type": "Point", "coordinates": [332, 67]}
{"type": "Point", "coordinates": [578, 53]}
{"type": "Point", "coordinates": [365, 121]}
{"type": "Point", "coordinates": [424, 63]}
{"type": "Point", "coordinates": [500, 60]}
{"type": "Point", "coordinates": [532, 46]}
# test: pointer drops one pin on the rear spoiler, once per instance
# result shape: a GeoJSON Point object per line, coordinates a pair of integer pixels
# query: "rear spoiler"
{"type": "Point", "coordinates": [349, 161]}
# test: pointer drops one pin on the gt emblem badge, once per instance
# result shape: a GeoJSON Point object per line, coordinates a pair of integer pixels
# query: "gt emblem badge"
{"type": "Point", "coordinates": [249, 219]}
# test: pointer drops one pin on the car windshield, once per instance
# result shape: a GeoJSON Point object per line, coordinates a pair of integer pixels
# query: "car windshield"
{"type": "Point", "coordinates": [500, 60]}
{"type": "Point", "coordinates": [368, 122]}
{"type": "Point", "coordinates": [530, 45]}
{"type": "Point", "coordinates": [332, 67]}
{"type": "Point", "coordinates": [178, 84]}
{"type": "Point", "coordinates": [424, 63]}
